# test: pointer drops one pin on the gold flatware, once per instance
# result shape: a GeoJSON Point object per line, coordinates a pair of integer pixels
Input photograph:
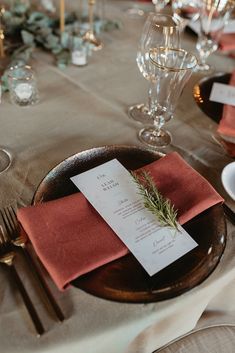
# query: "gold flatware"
{"type": "Point", "coordinates": [7, 256]}
{"type": "Point", "coordinates": [19, 239]}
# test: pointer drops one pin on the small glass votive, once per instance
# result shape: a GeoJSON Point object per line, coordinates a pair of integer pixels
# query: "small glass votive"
{"type": "Point", "coordinates": [22, 85]}
{"type": "Point", "coordinates": [79, 56]}
{"type": "Point", "coordinates": [79, 51]}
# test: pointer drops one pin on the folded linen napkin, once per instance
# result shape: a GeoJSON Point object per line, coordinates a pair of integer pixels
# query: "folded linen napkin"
{"type": "Point", "coordinates": [227, 42]}
{"type": "Point", "coordinates": [71, 238]}
{"type": "Point", "coordinates": [226, 126]}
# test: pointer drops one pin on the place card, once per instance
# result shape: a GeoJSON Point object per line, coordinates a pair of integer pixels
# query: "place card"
{"type": "Point", "coordinates": [222, 93]}
{"type": "Point", "coordinates": [112, 191]}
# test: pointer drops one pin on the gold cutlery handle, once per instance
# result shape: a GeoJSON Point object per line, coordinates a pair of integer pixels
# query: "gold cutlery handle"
{"type": "Point", "coordinates": [41, 281]}
{"type": "Point", "coordinates": [27, 301]}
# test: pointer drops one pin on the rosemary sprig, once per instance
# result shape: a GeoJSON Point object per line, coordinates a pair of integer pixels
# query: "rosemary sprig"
{"type": "Point", "coordinates": [154, 201]}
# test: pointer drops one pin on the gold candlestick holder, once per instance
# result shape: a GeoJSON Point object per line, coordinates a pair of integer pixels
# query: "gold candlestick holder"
{"type": "Point", "coordinates": [89, 36]}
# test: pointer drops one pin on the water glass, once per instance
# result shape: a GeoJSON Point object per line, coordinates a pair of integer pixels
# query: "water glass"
{"type": "Point", "coordinates": [22, 85]}
{"type": "Point", "coordinates": [170, 69]}
{"type": "Point", "coordinates": [214, 15]}
{"type": "Point", "coordinates": [159, 30]}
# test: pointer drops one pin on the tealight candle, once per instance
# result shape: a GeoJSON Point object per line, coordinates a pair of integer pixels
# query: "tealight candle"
{"type": "Point", "coordinates": [22, 85]}
{"type": "Point", "coordinates": [24, 91]}
{"type": "Point", "coordinates": [79, 57]}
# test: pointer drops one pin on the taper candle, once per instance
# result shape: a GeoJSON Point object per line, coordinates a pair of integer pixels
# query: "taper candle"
{"type": "Point", "coordinates": [2, 50]}
{"type": "Point", "coordinates": [62, 15]}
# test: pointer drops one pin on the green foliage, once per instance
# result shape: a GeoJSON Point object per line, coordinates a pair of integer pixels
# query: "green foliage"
{"type": "Point", "coordinates": [29, 28]}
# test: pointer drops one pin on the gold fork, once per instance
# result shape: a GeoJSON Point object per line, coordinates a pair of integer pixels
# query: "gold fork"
{"type": "Point", "coordinates": [7, 256]}
{"type": "Point", "coordinates": [19, 239]}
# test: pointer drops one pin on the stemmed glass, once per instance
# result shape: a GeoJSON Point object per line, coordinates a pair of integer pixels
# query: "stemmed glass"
{"type": "Point", "coordinates": [186, 11]}
{"type": "Point", "coordinates": [5, 159]}
{"type": "Point", "coordinates": [135, 11]}
{"type": "Point", "coordinates": [214, 15]}
{"type": "Point", "coordinates": [160, 4]}
{"type": "Point", "coordinates": [5, 156]}
{"type": "Point", "coordinates": [170, 69]}
{"type": "Point", "coordinates": [159, 30]}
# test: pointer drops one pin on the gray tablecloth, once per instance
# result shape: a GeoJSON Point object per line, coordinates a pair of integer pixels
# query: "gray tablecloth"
{"type": "Point", "coordinates": [81, 108]}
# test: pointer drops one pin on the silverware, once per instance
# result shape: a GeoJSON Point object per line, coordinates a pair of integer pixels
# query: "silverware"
{"type": "Point", "coordinates": [19, 239]}
{"type": "Point", "coordinates": [7, 256]}
{"type": "Point", "coordinates": [229, 213]}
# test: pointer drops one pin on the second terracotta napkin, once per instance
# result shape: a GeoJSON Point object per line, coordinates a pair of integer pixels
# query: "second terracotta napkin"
{"type": "Point", "coordinates": [226, 126]}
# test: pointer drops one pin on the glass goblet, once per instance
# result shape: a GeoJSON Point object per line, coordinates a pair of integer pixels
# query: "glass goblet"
{"type": "Point", "coordinates": [214, 15]}
{"type": "Point", "coordinates": [186, 11]}
{"type": "Point", "coordinates": [159, 30]}
{"type": "Point", "coordinates": [5, 159]}
{"type": "Point", "coordinates": [135, 11]}
{"type": "Point", "coordinates": [160, 4]}
{"type": "Point", "coordinates": [170, 70]}
{"type": "Point", "coordinates": [5, 155]}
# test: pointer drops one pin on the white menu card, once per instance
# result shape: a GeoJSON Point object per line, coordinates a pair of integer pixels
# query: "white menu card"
{"type": "Point", "coordinates": [111, 190]}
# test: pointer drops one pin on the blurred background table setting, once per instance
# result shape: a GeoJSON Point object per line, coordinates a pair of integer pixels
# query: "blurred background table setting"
{"type": "Point", "coordinates": [73, 98]}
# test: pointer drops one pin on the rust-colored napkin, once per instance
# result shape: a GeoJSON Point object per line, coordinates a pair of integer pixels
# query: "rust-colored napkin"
{"type": "Point", "coordinates": [227, 42]}
{"type": "Point", "coordinates": [71, 238]}
{"type": "Point", "coordinates": [226, 126]}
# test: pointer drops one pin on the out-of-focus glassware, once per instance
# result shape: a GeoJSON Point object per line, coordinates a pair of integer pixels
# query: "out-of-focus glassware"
{"type": "Point", "coordinates": [186, 11]}
{"type": "Point", "coordinates": [160, 4]}
{"type": "Point", "coordinates": [22, 85]}
{"type": "Point", "coordinates": [5, 159]}
{"type": "Point", "coordinates": [214, 15]}
{"type": "Point", "coordinates": [159, 30]}
{"type": "Point", "coordinates": [135, 10]}
{"type": "Point", "coordinates": [170, 70]}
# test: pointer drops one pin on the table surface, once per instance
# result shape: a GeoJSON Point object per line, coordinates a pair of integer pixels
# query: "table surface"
{"type": "Point", "coordinates": [86, 107]}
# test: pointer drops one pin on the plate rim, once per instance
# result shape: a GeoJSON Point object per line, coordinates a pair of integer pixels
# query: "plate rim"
{"type": "Point", "coordinates": [86, 151]}
{"type": "Point", "coordinates": [124, 147]}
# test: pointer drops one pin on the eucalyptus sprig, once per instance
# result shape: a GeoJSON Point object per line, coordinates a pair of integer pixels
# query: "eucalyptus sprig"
{"type": "Point", "coordinates": [154, 201]}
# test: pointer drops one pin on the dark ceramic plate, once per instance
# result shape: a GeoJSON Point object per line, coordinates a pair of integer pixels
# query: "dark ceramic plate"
{"type": "Point", "coordinates": [201, 93]}
{"type": "Point", "coordinates": [124, 279]}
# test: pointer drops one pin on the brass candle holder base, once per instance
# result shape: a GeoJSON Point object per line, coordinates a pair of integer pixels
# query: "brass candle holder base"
{"type": "Point", "coordinates": [91, 38]}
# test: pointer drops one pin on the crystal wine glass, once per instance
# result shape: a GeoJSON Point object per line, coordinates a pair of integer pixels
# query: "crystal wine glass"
{"type": "Point", "coordinates": [135, 11]}
{"type": "Point", "coordinates": [160, 4]}
{"type": "Point", "coordinates": [186, 11]}
{"type": "Point", "coordinates": [170, 69]}
{"type": "Point", "coordinates": [159, 30]}
{"type": "Point", "coordinates": [214, 15]}
{"type": "Point", "coordinates": [5, 159]}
